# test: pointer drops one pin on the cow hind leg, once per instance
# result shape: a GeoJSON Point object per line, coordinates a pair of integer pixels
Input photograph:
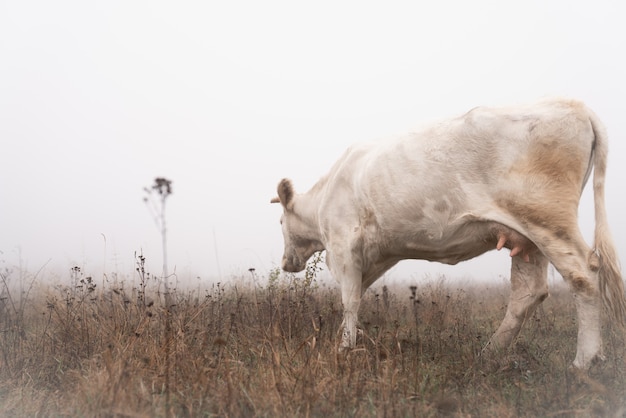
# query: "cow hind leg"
{"type": "Point", "coordinates": [529, 287]}
{"type": "Point", "coordinates": [578, 265]}
{"type": "Point", "coordinates": [566, 249]}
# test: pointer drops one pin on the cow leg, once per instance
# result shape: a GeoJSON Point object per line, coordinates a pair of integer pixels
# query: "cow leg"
{"type": "Point", "coordinates": [353, 286]}
{"type": "Point", "coordinates": [351, 299]}
{"type": "Point", "coordinates": [566, 249]}
{"type": "Point", "coordinates": [578, 266]}
{"type": "Point", "coordinates": [529, 287]}
{"type": "Point", "coordinates": [350, 279]}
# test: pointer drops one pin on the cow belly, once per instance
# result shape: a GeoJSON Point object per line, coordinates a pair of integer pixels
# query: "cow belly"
{"type": "Point", "coordinates": [454, 244]}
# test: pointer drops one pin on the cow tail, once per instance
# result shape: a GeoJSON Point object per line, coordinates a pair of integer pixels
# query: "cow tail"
{"type": "Point", "coordinates": [610, 280]}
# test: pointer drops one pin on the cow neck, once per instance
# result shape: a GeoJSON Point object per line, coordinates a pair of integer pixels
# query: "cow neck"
{"type": "Point", "coordinates": [305, 207]}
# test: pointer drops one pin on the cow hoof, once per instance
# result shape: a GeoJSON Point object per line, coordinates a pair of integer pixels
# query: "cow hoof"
{"type": "Point", "coordinates": [488, 364]}
{"type": "Point", "coordinates": [584, 367]}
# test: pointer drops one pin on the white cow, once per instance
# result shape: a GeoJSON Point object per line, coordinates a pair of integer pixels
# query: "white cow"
{"type": "Point", "coordinates": [492, 178]}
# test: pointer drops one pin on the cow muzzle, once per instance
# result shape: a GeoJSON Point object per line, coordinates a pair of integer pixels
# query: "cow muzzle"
{"type": "Point", "coordinates": [293, 264]}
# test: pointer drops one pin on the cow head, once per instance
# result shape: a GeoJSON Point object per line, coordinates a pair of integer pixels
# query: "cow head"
{"type": "Point", "coordinates": [300, 230]}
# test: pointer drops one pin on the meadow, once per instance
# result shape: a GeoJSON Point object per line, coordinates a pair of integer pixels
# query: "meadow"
{"type": "Point", "coordinates": [242, 348]}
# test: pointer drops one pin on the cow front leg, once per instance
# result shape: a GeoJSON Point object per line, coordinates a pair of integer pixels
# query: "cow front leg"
{"type": "Point", "coordinates": [529, 287]}
{"type": "Point", "coordinates": [351, 286]}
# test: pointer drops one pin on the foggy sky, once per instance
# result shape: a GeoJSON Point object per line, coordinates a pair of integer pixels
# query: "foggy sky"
{"type": "Point", "coordinates": [97, 99]}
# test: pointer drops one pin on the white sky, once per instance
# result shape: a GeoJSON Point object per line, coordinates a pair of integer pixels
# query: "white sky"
{"type": "Point", "coordinates": [225, 98]}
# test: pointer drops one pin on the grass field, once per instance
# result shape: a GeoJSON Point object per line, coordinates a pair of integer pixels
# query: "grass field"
{"type": "Point", "coordinates": [237, 349]}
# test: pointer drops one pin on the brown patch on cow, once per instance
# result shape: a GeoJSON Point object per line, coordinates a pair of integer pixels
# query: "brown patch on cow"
{"type": "Point", "coordinates": [593, 261]}
{"type": "Point", "coordinates": [554, 161]}
{"type": "Point", "coordinates": [580, 284]}
{"type": "Point", "coordinates": [532, 125]}
{"type": "Point", "coordinates": [557, 218]}
{"type": "Point", "coordinates": [368, 217]}
{"type": "Point", "coordinates": [442, 206]}
{"type": "Point", "coordinates": [562, 234]}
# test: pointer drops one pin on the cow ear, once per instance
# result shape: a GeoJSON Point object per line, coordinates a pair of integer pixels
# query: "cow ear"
{"type": "Point", "coordinates": [285, 194]}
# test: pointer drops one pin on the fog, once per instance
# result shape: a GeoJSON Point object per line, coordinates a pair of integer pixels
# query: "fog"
{"type": "Point", "coordinates": [97, 99]}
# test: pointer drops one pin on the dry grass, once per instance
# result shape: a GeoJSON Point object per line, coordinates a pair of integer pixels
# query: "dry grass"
{"type": "Point", "coordinates": [241, 350]}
